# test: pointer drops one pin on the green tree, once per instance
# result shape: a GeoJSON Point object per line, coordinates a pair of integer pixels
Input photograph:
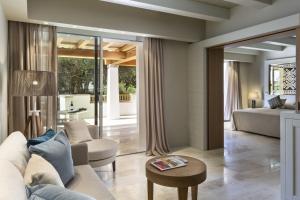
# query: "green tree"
{"type": "Point", "coordinates": [75, 75]}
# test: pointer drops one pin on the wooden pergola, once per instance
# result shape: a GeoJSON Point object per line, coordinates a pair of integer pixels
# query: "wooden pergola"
{"type": "Point", "coordinates": [114, 52]}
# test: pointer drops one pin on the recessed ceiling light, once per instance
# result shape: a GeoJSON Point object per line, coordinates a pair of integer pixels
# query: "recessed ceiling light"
{"type": "Point", "coordinates": [46, 23]}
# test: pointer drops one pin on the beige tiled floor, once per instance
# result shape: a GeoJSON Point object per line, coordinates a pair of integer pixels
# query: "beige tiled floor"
{"type": "Point", "coordinates": [248, 168]}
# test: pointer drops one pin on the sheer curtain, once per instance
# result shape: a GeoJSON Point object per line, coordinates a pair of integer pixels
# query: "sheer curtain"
{"type": "Point", "coordinates": [156, 140]}
{"type": "Point", "coordinates": [31, 47]}
{"type": "Point", "coordinates": [232, 89]}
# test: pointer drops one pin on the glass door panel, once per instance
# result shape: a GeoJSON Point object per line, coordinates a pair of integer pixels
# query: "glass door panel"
{"type": "Point", "coordinates": [76, 79]}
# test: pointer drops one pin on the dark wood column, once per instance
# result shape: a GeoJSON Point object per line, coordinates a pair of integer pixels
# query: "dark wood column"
{"type": "Point", "coordinates": [215, 99]}
{"type": "Point", "coordinates": [297, 69]}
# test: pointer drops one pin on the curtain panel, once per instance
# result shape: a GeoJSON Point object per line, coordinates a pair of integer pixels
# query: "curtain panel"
{"type": "Point", "coordinates": [156, 140]}
{"type": "Point", "coordinates": [233, 96]}
{"type": "Point", "coordinates": [31, 47]}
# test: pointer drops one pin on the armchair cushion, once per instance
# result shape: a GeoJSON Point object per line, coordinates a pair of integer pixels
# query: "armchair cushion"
{"type": "Point", "coordinates": [77, 132]}
{"type": "Point", "coordinates": [80, 154]}
{"type": "Point", "coordinates": [101, 149]}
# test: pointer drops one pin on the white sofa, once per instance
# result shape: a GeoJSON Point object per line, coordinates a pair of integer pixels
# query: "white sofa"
{"type": "Point", "coordinates": [13, 161]}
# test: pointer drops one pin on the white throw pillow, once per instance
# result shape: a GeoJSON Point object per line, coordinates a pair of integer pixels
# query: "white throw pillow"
{"type": "Point", "coordinates": [40, 171]}
{"type": "Point", "coordinates": [11, 182]}
{"type": "Point", "coordinates": [77, 132]}
{"type": "Point", "coordinates": [14, 149]}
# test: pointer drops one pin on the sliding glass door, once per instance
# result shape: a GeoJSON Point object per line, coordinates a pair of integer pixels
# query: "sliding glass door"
{"type": "Point", "coordinates": [79, 74]}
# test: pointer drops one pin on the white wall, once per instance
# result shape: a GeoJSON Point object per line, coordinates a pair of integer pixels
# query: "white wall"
{"type": "Point", "coordinates": [176, 99]}
{"type": "Point", "coordinates": [242, 17]}
{"type": "Point", "coordinates": [3, 75]}
{"type": "Point", "coordinates": [113, 17]}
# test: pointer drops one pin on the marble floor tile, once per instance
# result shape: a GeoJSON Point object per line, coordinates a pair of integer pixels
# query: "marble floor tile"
{"type": "Point", "coordinates": [247, 168]}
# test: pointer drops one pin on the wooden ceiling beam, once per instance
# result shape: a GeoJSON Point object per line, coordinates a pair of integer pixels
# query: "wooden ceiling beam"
{"type": "Point", "coordinates": [131, 63]}
{"type": "Point", "coordinates": [59, 41]}
{"type": "Point", "coordinates": [106, 46]}
{"type": "Point", "coordinates": [82, 43]}
{"type": "Point", "coordinates": [127, 47]}
{"type": "Point", "coordinates": [120, 62]}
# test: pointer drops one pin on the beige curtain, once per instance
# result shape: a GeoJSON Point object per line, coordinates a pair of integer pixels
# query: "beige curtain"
{"type": "Point", "coordinates": [31, 47]}
{"type": "Point", "coordinates": [154, 72]}
{"type": "Point", "coordinates": [233, 97]}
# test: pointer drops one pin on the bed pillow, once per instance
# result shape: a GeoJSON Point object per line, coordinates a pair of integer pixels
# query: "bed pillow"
{"type": "Point", "coordinates": [40, 171]}
{"type": "Point", "coordinates": [77, 132]}
{"type": "Point", "coordinates": [57, 151]}
{"type": "Point", "coordinates": [50, 133]}
{"type": "Point", "coordinates": [283, 101]}
{"type": "Point", "coordinates": [14, 149]}
{"type": "Point", "coordinates": [275, 102]}
{"type": "Point", "coordinates": [51, 192]}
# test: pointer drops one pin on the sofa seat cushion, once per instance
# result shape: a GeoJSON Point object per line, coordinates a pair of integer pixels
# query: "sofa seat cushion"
{"type": "Point", "coordinates": [11, 182]}
{"type": "Point", "coordinates": [86, 181]}
{"type": "Point", "coordinates": [100, 149]}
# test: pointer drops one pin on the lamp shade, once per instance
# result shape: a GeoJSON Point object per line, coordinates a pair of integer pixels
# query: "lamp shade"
{"type": "Point", "coordinates": [254, 95]}
{"type": "Point", "coordinates": [33, 83]}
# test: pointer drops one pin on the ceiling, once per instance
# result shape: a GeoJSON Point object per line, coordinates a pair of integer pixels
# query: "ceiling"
{"type": "Point", "coordinates": [275, 44]}
{"type": "Point", "coordinates": [220, 3]}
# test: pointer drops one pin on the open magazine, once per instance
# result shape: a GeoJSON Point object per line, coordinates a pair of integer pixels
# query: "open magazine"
{"type": "Point", "coordinates": [169, 162]}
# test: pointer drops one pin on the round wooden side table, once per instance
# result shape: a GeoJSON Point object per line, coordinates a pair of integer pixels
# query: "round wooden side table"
{"type": "Point", "coordinates": [184, 177]}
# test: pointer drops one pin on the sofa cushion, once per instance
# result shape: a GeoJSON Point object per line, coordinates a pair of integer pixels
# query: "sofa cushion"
{"type": "Point", "coordinates": [86, 181]}
{"type": "Point", "coordinates": [54, 192]}
{"type": "Point", "coordinates": [40, 171]}
{"type": "Point", "coordinates": [14, 149]}
{"type": "Point", "coordinates": [57, 151]}
{"type": "Point", "coordinates": [11, 182]}
{"type": "Point", "coordinates": [77, 132]}
{"type": "Point", "coordinates": [101, 149]}
{"type": "Point", "coordinates": [50, 133]}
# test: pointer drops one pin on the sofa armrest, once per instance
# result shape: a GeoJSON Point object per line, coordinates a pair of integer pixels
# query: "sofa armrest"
{"type": "Point", "coordinates": [80, 154]}
{"type": "Point", "coordinates": [93, 129]}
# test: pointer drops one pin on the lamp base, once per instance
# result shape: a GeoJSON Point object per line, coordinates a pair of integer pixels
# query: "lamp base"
{"type": "Point", "coordinates": [253, 103]}
{"type": "Point", "coordinates": [35, 121]}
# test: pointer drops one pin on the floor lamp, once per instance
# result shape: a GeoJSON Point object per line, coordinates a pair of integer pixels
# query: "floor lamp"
{"type": "Point", "coordinates": [33, 83]}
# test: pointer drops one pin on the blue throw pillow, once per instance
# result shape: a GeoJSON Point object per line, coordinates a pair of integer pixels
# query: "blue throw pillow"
{"type": "Point", "coordinates": [43, 138]}
{"type": "Point", "coordinates": [57, 151]}
{"type": "Point", "coordinates": [54, 192]}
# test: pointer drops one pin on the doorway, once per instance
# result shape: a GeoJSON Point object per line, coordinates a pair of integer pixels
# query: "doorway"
{"type": "Point", "coordinates": [98, 82]}
{"type": "Point", "coordinates": [274, 46]}
{"type": "Point", "coordinates": [120, 94]}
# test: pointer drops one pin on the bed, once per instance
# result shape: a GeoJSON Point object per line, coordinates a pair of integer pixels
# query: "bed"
{"type": "Point", "coordinates": [263, 121]}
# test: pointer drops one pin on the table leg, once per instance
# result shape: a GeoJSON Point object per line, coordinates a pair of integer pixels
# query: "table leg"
{"type": "Point", "coordinates": [182, 193]}
{"type": "Point", "coordinates": [150, 190]}
{"type": "Point", "coordinates": [194, 192]}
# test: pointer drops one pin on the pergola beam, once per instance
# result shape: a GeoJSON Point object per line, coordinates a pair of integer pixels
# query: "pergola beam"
{"type": "Point", "coordinates": [87, 53]}
{"type": "Point", "coordinates": [82, 43]}
{"type": "Point", "coordinates": [120, 62]}
{"type": "Point", "coordinates": [127, 47]}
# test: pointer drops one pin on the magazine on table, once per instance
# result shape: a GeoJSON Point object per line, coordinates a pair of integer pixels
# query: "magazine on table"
{"type": "Point", "coordinates": [169, 162]}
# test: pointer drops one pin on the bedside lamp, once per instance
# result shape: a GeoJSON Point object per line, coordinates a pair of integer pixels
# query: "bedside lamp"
{"type": "Point", "coordinates": [253, 97]}
{"type": "Point", "coordinates": [33, 83]}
